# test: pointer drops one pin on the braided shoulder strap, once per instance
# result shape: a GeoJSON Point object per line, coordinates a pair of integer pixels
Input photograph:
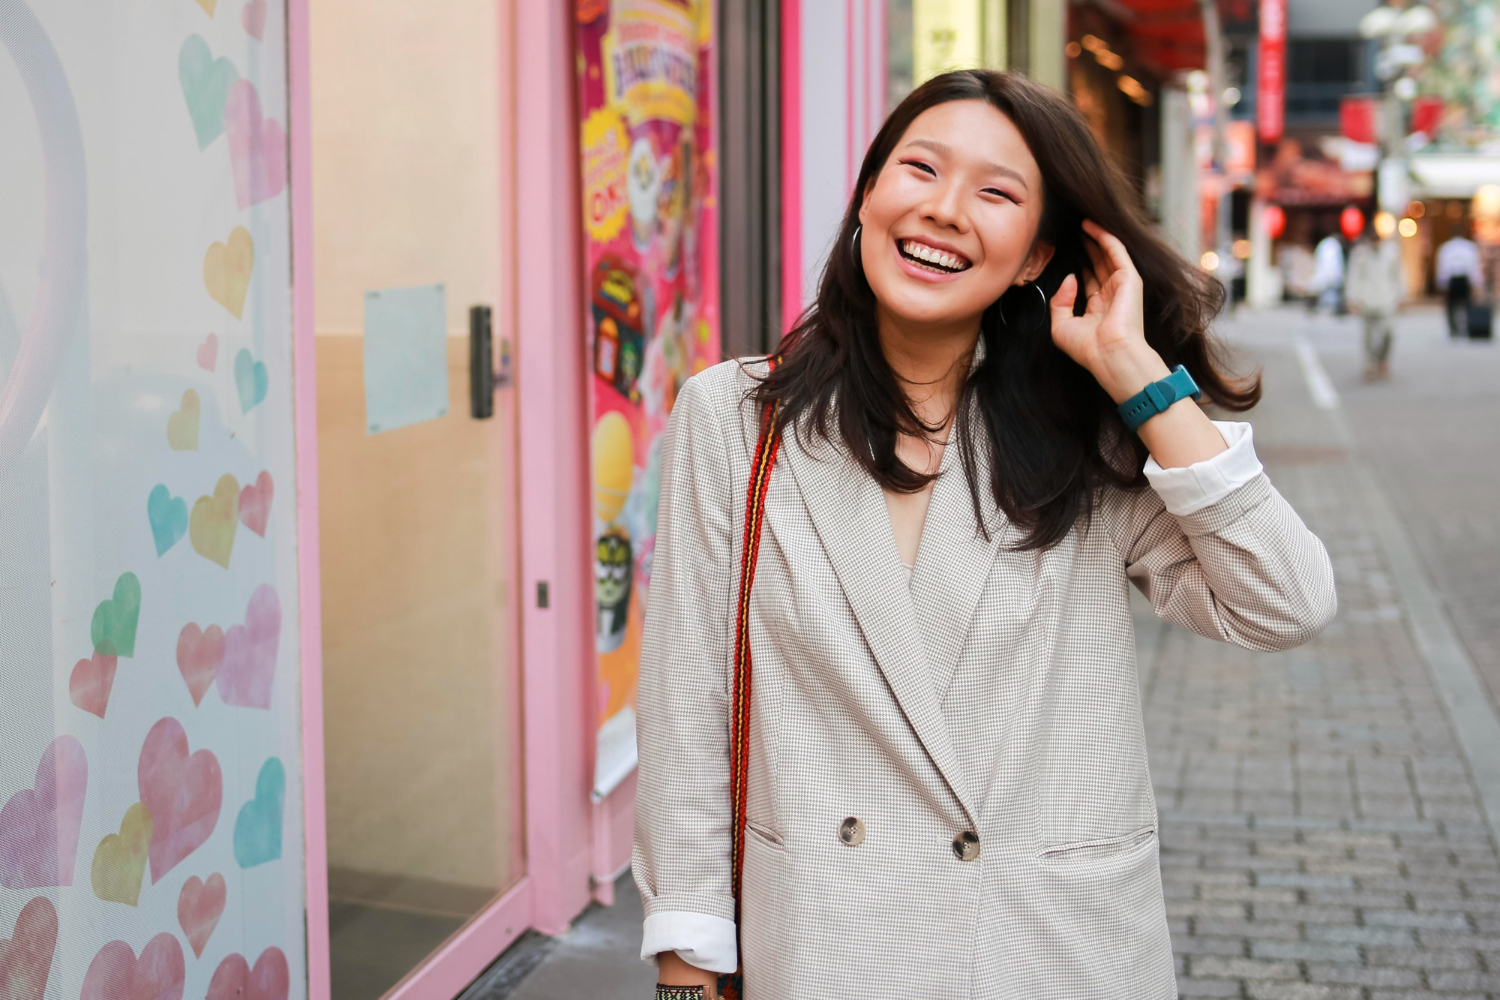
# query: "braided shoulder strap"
{"type": "Point", "coordinates": [739, 730]}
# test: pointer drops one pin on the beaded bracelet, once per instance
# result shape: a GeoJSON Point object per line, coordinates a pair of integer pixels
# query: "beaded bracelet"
{"type": "Point", "coordinates": [678, 992]}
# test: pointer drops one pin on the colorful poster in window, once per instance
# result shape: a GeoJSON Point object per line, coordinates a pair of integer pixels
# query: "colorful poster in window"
{"type": "Point", "coordinates": [649, 180]}
{"type": "Point", "coordinates": [150, 739]}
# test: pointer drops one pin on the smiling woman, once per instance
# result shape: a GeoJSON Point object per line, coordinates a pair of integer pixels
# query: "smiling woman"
{"type": "Point", "coordinates": [933, 782]}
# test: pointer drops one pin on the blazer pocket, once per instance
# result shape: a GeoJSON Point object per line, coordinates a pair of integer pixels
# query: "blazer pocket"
{"type": "Point", "coordinates": [1100, 849]}
{"type": "Point", "coordinates": [765, 835]}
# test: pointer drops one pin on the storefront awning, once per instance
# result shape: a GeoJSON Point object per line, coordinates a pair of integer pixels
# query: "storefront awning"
{"type": "Point", "coordinates": [1452, 175]}
{"type": "Point", "coordinates": [1168, 34]}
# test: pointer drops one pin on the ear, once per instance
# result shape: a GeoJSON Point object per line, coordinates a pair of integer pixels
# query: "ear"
{"type": "Point", "coordinates": [864, 202]}
{"type": "Point", "coordinates": [1036, 263]}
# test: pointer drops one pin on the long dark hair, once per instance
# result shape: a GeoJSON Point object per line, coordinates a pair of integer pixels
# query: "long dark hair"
{"type": "Point", "coordinates": [1053, 435]}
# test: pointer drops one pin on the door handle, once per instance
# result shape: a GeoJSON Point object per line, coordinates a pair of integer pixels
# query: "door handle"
{"type": "Point", "coordinates": [484, 377]}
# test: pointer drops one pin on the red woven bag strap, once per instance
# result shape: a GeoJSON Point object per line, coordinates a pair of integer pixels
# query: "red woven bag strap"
{"type": "Point", "coordinates": [739, 731]}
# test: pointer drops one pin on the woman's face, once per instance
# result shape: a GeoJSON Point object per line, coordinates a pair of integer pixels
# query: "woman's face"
{"type": "Point", "coordinates": [950, 222]}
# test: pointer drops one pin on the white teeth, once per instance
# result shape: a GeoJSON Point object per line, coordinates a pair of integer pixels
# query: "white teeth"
{"type": "Point", "coordinates": [934, 256]}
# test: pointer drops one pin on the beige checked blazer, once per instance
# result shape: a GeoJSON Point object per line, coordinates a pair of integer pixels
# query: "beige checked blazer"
{"type": "Point", "coordinates": [996, 694]}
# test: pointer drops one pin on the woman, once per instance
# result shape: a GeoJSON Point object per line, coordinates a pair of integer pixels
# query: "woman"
{"type": "Point", "coordinates": [947, 791]}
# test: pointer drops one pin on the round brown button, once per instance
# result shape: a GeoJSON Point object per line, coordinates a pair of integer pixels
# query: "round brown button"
{"type": "Point", "coordinates": [852, 831]}
{"type": "Point", "coordinates": [966, 846]}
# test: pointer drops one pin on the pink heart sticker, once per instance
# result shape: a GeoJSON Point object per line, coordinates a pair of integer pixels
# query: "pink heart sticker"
{"type": "Point", "coordinates": [39, 825]}
{"type": "Point", "coordinates": [250, 652]}
{"type": "Point", "coordinates": [253, 19]}
{"type": "Point", "coordinates": [235, 980]}
{"type": "Point", "coordinates": [116, 974]}
{"type": "Point", "coordinates": [208, 352]}
{"type": "Point", "coordinates": [257, 147]}
{"type": "Point", "coordinates": [199, 907]}
{"type": "Point", "coordinates": [255, 503]}
{"type": "Point", "coordinates": [200, 653]}
{"type": "Point", "coordinates": [26, 959]}
{"type": "Point", "coordinates": [91, 681]}
{"type": "Point", "coordinates": [182, 792]}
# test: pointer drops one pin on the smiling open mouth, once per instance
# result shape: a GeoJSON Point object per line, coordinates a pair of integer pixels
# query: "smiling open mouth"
{"type": "Point", "coordinates": [931, 258]}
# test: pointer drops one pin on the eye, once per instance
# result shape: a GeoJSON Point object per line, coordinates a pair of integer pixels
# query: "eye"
{"type": "Point", "coordinates": [997, 192]}
{"type": "Point", "coordinates": [919, 165]}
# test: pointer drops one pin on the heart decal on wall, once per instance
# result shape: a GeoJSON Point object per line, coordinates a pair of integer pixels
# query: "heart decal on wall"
{"type": "Point", "coordinates": [205, 85]}
{"type": "Point", "coordinates": [182, 426]}
{"type": "Point", "coordinates": [39, 825]}
{"type": "Point", "coordinates": [257, 829]}
{"type": "Point", "coordinates": [120, 858]}
{"type": "Point", "coordinates": [249, 667]}
{"type": "Point", "coordinates": [214, 521]}
{"type": "Point", "coordinates": [115, 619]}
{"type": "Point", "coordinates": [91, 682]}
{"type": "Point", "coordinates": [255, 503]}
{"type": "Point", "coordinates": [200, 653]}
{"type": "Point", "coordinates": [208, 352]}
{"type": "Point", "coordinates": [199, 906]}
{"type": "Point", "coordinates": [251, 379]}
{"type": "Point", "coordinates": [116, 974]}
{"type": "Point", "coordinates": [235, 980]}
{"type": "Point", "coordinates": [227, 268]}
{"type": "Point", "coordinates": [168, 516]}
{"type": "Point", "coordinates": [183, 791]}
{"type": "Point", "coordinates": [26, 959]}
{"type": "Point", "coordinates": [257, 147]}
{"type": "Point", "coordinates": [253, 19]}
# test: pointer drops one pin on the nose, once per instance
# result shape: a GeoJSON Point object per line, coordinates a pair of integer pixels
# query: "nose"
{"type": "Point", "coordinates": [944, 206]}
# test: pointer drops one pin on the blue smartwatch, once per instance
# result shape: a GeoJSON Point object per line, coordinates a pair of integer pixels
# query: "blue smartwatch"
{"type": "Point", "coordinates": [1157, 396]}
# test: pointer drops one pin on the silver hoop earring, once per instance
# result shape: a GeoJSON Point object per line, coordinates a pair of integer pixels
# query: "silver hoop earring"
{"type": "Point", "coordinates": [999, 305]}
{"type": "Point", "coordinates": [854, 240]}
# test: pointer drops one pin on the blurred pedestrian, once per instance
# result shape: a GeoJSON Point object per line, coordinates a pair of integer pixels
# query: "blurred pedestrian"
{"type": "Point", "coordinates": [1374, 289]}
{"type": "Point", "coordinates": [922, 517]}
{"type": "Point", "coordinates": [1458, 278]}
{"type": "Point", "coordinates": [1328, 274]}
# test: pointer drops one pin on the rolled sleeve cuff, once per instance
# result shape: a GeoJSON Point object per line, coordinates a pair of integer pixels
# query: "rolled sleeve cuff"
{"type": "Point", "coordinates": [700, 940]}
{"type": "Point", "coordinates": [1191, 488]}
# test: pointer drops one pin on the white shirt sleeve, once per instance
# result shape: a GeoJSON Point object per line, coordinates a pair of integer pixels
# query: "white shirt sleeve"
{"type": "Point", "coordinates": [700, 940]}
{"type": "Point", "coordinates": [1191, 488]}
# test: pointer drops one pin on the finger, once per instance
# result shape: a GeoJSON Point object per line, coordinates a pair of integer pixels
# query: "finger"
{"type": "Point", "coordinates": [1111, 245]}
{"type": "Point", "coordinates": [1097, 259]}
{"type": "Point", "coordinates": [1097, 272]}
{"type": "Point", "coordinates": [1063, 299]}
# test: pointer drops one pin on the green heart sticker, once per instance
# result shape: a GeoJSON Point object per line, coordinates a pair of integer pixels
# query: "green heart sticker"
{"type": "Point", "coordinates": [113, 628]}
{"type": "Point", "coordinates": [205, 85]}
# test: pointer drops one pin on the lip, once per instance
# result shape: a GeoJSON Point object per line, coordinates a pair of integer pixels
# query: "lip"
{"type": "Point", "coordinates": [921, 273]}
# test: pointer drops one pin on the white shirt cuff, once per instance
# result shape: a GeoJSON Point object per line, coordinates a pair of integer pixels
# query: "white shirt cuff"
{"type": "Point", "coordinates": [700, 940]}
{"type": "Point", "coordinates": [1193, 487]}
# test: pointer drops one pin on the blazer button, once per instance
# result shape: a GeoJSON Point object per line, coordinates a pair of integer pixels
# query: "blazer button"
{"type": "Point", "coordinates": [852, 831]}
{"type": "Point", "coordinates": [966, 846]}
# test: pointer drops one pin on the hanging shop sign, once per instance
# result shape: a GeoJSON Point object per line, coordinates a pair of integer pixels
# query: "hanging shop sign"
{"type": "Point", "coordinates": [1270, 100]}
{"type": "Point", "coordinates": [649, 178]}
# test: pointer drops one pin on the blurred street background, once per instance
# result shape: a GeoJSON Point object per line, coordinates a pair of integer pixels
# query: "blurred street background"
{"type": "Point", "coordinates": [337, 340]}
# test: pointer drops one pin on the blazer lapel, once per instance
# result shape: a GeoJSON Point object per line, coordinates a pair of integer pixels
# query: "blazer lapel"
{"type": "Point", "coordinates": [849, 513]}
{"type": "Point", "coordinates": [954, 561]}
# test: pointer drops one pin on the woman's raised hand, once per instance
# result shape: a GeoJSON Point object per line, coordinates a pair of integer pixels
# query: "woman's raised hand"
{"type": "Point", "coordinates": [1109, 339]}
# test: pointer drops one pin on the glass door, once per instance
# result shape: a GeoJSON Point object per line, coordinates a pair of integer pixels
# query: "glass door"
{"type": "Point", "coordinates": [421, 716]}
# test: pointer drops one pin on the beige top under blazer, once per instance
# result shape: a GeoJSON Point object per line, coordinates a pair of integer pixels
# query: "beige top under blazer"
{"type": "Point", "coordinates": [993, 694]}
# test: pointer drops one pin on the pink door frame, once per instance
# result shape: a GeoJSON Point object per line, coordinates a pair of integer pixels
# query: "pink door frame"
{"type": "Point", "coordinates": [572, 846]}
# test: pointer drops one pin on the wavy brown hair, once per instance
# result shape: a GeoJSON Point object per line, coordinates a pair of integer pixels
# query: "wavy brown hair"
{"type": "Point", "coordinates": [1053, 435]}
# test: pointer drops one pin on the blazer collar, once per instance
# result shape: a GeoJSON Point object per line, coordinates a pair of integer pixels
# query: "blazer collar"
{"type": "Point", "coordinates": [849, 513]}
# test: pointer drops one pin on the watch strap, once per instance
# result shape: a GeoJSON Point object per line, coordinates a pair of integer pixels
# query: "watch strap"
{"type": "Point", "coordinates": [1157, 396]}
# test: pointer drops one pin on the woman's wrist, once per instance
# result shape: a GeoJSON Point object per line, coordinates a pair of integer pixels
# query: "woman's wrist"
{"type": "Point", "coordinates": [1127, 370]}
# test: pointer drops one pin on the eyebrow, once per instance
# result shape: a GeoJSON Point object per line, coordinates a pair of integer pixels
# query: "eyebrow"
{"type": "Point", "coordinates": [943, 149]}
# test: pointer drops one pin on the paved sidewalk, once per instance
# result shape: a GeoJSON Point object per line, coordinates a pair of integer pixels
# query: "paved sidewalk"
{"type": "Point", "coordinates": [1322, 835]}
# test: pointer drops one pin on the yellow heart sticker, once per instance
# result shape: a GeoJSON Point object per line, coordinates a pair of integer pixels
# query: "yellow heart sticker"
{"type": "Point", "coordinates": [120, 858]}
{"type": "Point", "coordinates": [214, 521]}
{"type": "Point", "coordinates": [226, 270]}
{"type": "Point", "coordinates": [182, 426]}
